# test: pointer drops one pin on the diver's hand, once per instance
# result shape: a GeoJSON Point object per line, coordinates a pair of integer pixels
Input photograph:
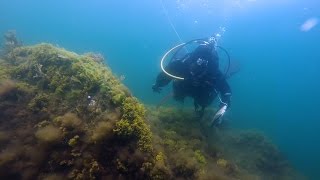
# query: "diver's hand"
{"type": "Point", "coordinates": [225, 104]}
{"type": "Point", "coordinates": [218, 117]}
{"type": "Point", "coordinates": [156, 88]}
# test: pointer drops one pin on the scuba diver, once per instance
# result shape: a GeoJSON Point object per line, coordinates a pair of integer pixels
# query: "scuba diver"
{"type": "Point", "coordinates": [202, 79]}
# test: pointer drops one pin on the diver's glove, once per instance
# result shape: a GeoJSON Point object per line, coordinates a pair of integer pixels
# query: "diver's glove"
{"type": "Point", "coordinates": [223, 107]}
{"type": "Point", "coordinates": [217, 118]}
{"type": "Point", "coordinates": [227, 104]}
{"type": "Point", "coordinates": [156, 88]}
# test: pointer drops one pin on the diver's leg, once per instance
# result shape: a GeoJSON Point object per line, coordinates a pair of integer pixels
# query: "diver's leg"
{"type": "Point", "coordinates": [178, 92]}
{"type": "Point", "coordinates": [198, 108]}
{"type": "Point", "coordinates": [196, 105]}
{"type": "Point", "coordinates": [204, 99]}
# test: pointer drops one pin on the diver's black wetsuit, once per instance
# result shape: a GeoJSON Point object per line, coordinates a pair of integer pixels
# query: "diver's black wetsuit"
{"type": "Point", "coordinates": [202, 78]}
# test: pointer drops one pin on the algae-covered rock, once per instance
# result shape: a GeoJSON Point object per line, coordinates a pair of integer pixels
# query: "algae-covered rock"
{"type": "Point", "coordinates": [72, 108]}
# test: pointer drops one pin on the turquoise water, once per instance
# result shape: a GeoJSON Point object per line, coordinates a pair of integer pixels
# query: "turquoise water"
{"type": "Point", "coordinates": [276, 91]}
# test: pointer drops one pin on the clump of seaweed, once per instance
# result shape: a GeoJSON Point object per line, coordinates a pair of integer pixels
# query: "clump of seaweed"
{"type": "Point", "coordinates": [49, 134]}
{"type": "Point", "coordinates": [7, 156]}
{"type": "Point", "coordinates": [3, 136]}
{"type": "Point", "coordinates": [102, 131]}
{"type": "Point", "coordinates": [6, 86]}
{"type": "Point", "coordinates": [70, 120]}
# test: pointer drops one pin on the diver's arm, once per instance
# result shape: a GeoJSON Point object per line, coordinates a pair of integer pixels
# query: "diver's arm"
{"type": "Point", "coordinates": [163, 79]}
